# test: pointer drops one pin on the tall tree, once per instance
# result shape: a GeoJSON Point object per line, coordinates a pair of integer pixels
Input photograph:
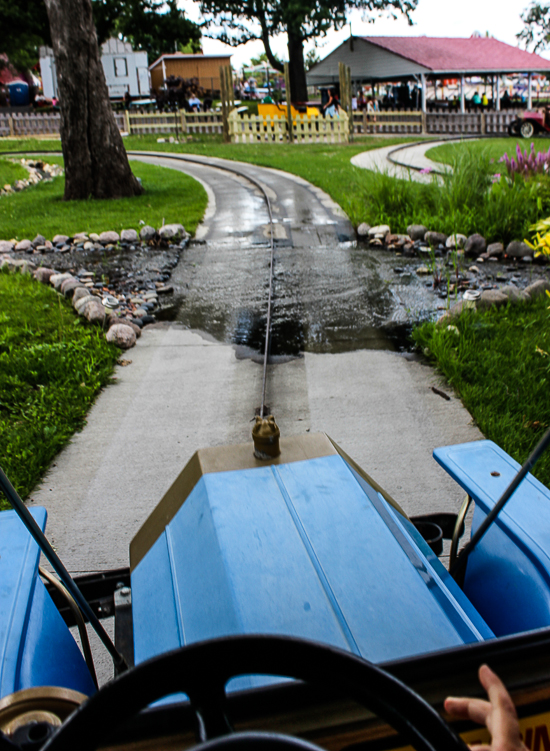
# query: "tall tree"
{"type": "Point", "coordinates": [536, 26]}
{"type": "Point", "coordinates": [96, 164]}
{"type": "Point", "coordinates": [239, 21]}
{"type": "Point", "coordinates": [156, 26]}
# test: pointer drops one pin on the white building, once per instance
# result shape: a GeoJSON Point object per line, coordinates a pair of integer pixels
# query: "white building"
{"type": "Point", "coordinates": [125, 70]}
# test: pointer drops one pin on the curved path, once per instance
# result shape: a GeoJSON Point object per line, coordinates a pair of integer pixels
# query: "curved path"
{"type": "Point", "coordinates": [404, 162]}
{"type": "Point", "coordinates": [185, 388]}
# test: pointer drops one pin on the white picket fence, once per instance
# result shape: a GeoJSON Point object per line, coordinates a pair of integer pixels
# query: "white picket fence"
{"type": "Point", "coordinates": [180, 122]}
{"type": "Point", "coordinates": [245, 128]}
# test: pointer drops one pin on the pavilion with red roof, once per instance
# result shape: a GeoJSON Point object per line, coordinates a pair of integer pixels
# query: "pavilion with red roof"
{"type": "Point", "coordinates": [377, 59]}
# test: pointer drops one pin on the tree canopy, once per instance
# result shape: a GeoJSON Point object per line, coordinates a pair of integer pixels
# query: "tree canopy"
{"type": "Point", "coordinates": [238, 21]}
{"type": "Point", "coordinates": [155, 26]}
{"type": "Point", "coordinates": [536, 31]}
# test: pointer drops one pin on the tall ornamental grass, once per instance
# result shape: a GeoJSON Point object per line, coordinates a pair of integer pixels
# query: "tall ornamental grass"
{"type": "Point", "coordinates": [470, 197]}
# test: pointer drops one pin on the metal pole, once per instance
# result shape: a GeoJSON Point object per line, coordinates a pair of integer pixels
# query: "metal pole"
{"type": "Point", "coordinates": [423, 82]}
{"type": "Point", "coordinates": [462, 96]}
{"type": "Point", "coordinates": [498, 94]}
{"type": "Point", "coordinates": [529, 92]}
{"type": "Point", "coordinates": [505, 497]}
{"type": "Point", "coordinates": [28, 520]}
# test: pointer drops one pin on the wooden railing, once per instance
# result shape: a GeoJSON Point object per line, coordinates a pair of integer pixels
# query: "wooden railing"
{"type": "Point", "coordinates": [255, 128]}
{"type": "Point", "coordinates": [267, 129]}
{"type": "Point", "coordinates": [173, 122]}
{"type": "Point", "coordinates": [37, 124]}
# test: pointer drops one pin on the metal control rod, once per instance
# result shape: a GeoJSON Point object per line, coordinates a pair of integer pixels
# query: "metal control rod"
{"type": "Point", "coordinates": [40, 538]}
{"type": "Point", "coordinates": [505, 497]}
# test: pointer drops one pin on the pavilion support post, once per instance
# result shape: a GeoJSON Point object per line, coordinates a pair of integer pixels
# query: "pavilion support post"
{"type": "Point", "coordinates": [462, 96]}
{"type": "Point", "coordinates": [497, 103]}
{"type": "Point", "coordinates": [423, 100]}
{"type": "Point", "coordinates": [529, 92]}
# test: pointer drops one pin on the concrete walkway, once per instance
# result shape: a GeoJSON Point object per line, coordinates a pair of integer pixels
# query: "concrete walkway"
{"type": "Point", "coordinates": [404, 162]}
{"type": "Point", "coordinates": [183, 390]}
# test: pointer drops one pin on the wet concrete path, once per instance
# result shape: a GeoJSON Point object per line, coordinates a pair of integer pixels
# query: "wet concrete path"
{"type": "Point", "coordinates": [330, 296]}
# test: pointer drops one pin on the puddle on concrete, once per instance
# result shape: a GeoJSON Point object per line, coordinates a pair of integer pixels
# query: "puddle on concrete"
{"type": "Point", "coordinates": [326, 299]}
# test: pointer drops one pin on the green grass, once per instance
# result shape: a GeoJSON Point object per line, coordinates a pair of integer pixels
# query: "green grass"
{"type": "Point", "coordinates": [494, 148]}
{"type": "Point", "coordinates": [52, 366]}
{"type": "Point", "coordinates": [325, 165]}
{"type": "Point", "coordinates": [10, 172]}
{"type": "Point", "coordinates": [169, 195]}
{"type": "Point", "coordinates": [499, 363]}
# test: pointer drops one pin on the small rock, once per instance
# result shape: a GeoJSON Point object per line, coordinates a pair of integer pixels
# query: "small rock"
{"type": "Point", "coordinates": [513, 293]}
{"type": "Point", "coordinates": [129, 235]}
{"type": "Point", "coordinates": [456, 242]}
{"type": "Point", "coordinates": [23, 245]}
{"type": "Point", "coordinates": [453, 312]}
{"type": "Point", "coordinates": [147, 319]}
{"type": "Point", "coordinates": [435, 238]}
{"type": "Point", "coordinates": [538, 288]}
{"type": "Point", "coordinates": [495, 250]}
{"type": "Point", "coordinates": [79, 294]}
{"type": "Point", "coordinates": [57, 280]}
{"type": "Point", "coordinates": [94, 237]}
{"type": "Point", "coordinates": [114, 320]}
{"type": "Point", "coordinates": [422, 270]}
{"type": "Point", "coordinates": [94, 311]}
{"type": "Point", "coordinates": [172, 232]}
{"type": "Point", "coordinates": [475, 245]}
{"type": "Point", "coordinates": [60, 239]}
{"type": "Point", "coordinates": [380, 229]}
{"type": "Point", "coordinates": [43, 274]}
{"type": "Point", "coordinates": [38, 240]}
{"type": "Point", "coordinates": [140, 312]}
{"type": "Point", "coordinates": [391, 239]}
{"type": "Point", "coordinates": [80, 237]}
{"type": "Point", "coordinates": [69, 286]}
{"type": "Point", "coordinates": [362, 229]}
{"type": "Point", "coordinates": [416, 232]}
{"type": "Point", "coordinates": [64, 248]}
{"type": "Point", "coordinates": [490, 298]}
{"type": "Point", "coordinates": [88, 245]}
{"type": "Point", "coordinates": [6, 246]}
{"type": "Point", "coordinates": [121, 335]}
{"type": "Point", "coordinates": [109, 237]}
{"type": "Point", "coordinates": [166, 290]}
{"type": "Point", "coordinates": [517, 249]}
{"type": "Point", "coordinates": [147, 233]}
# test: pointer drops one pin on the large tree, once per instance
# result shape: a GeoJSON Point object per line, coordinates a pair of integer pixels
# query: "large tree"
{"type": "Point", "coordinates": [536, 30]}
{"type": "Point", "coordinates": [96, 164]}
{"type": "Point", "coordinates": [239, 21]}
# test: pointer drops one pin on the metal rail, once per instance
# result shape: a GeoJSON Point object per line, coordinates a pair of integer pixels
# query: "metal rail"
{"type": "Point", "coordinates": [214, 165]}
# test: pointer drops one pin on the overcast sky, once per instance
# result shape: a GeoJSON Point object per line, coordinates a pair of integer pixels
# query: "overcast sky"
{"type": "Point", "coordinates": [453, 18]}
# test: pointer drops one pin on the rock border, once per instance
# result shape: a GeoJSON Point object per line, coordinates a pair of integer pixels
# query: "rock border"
{"type": "Point", "coordinates": [39, 171]}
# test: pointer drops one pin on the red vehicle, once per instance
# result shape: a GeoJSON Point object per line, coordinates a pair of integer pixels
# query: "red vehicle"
{"type": "Point", "coordinates": [529, 124]}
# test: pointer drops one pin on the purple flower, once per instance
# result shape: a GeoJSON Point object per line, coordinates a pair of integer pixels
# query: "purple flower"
{"type": "Point", "coordinates": [496, 177]}
{"type": "Point", "coordinates": [425, 171]}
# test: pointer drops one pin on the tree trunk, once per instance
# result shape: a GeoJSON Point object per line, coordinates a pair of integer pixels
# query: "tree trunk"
{"type": "Point", "coordinates": [296, 67]}
{"type": "Point", "coordinates": [96, 164]}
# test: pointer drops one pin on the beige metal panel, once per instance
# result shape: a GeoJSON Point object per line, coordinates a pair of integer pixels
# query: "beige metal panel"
{"type": "Point", "coordinates": [367, 62]}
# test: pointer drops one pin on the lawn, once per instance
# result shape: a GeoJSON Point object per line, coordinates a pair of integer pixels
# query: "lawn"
{"type": "Point", "coordinates": [325, 165]}
{"type": "Point", "coordinates": [52, 367]}
{"type": "Point", "coordinates": [499, 363]}
{"type": "Point", "coordinates": [169, 197]}
{"type": "Point", "coordinates": [494, 148]}
{"type": "Point", "coordinates": [10, 172]}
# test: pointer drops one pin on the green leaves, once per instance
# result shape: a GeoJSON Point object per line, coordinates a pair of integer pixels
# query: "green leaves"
{"type": "Point", "coordinates": [50, 373]}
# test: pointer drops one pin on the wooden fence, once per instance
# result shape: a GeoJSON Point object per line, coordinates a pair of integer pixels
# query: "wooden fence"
{"type": "Point", "coordinates": [180, 122]}
{"type": "Point", "coordinates": [446, 123]}
{"type": "Point", "coordinates": [252, 129]}
{"type": "Point", "coordinates": [267, 129]}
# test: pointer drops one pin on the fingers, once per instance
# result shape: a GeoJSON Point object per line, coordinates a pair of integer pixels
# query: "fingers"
{"type": "Point", "coordinates": [477, 710]}
{"type": "Point", "coordinates": [496, 690]}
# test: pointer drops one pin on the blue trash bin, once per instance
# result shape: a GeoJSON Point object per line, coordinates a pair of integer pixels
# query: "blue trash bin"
{"type": "Point", "coordinates": [19, 93]}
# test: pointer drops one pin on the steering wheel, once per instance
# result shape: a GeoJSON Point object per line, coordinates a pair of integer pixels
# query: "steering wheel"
{"type": "Point", "coordinates": [201, 671]}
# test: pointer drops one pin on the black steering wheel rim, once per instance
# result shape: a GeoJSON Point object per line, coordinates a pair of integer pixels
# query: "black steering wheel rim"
{"type": "Point", "coordinates": [201, 671]}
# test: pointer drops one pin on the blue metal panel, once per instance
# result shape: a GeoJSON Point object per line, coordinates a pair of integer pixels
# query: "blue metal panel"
{"type": "Point", "coordinates": [305, 548]}
{"type": "Point", "coordinates": [508, 574]}
{"type": "Point", "coordinates": [36, 647]}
